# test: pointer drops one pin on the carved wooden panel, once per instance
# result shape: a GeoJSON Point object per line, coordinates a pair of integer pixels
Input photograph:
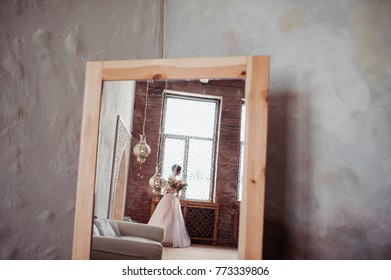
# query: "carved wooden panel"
{"type": "Point", "coordinates": [200, 222]}
{"type": "Point", "coordinates": [121, 149]}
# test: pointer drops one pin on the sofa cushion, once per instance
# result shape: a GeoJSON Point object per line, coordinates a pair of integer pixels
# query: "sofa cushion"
{"type": "Point", "coordinates": [153, 232]}
{"type": "Point", "coordinates": [104, 227]}
{"type": "Point", "coordinates": [95, 230]}
{"type": "Point", "coordinates": [114, 225]}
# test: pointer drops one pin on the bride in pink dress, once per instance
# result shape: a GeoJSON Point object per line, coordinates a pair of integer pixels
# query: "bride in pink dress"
{"type": "Point", "coordinates": [168, 214]}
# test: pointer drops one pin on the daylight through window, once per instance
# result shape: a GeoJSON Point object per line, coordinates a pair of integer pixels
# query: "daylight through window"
{"type": "Point", "coordinates": [189, 133]}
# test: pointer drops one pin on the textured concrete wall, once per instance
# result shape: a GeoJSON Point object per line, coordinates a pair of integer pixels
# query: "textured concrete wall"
{"type": "Point", "coordinates": [44, 46]}
{"type": "Point", "coordinates": [329, 140]}
{"type": "Point", "coordinates": [117, 100]}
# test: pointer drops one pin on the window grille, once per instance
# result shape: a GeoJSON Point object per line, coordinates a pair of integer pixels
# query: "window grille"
{"type": "Point", "coordinates": [188, 138]}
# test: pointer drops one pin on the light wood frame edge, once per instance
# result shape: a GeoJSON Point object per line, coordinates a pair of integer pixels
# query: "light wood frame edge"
{"type": "Point", "coordinates": [87, 162]}
{"type": "Point", "coordinates": [253, 196]}
{"type": "Point", "coordinates": [256, 71]}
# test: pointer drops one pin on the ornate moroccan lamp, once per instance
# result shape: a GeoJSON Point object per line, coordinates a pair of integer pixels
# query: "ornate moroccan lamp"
{"type": "Point", "coordinates": [142, 149]}
{"type": "Point", "coordinates": [156, 181]}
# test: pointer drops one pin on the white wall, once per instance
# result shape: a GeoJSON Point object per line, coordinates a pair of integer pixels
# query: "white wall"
{"type": "Point", "coordinates": [117, 100]}
{"type": "Point", "coordinates": [44, 46]}
{"type": "Point", "coordinates": [329, 155]}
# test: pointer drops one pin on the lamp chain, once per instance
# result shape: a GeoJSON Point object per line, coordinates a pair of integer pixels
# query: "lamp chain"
{"type": "Point", "coordinates": [145, 109]}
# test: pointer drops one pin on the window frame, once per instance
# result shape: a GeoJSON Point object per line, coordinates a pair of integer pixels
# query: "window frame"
{"type": "Point", "coordinates": [203, 98]}
{"type": "Point", "coordinates": [241, 151]}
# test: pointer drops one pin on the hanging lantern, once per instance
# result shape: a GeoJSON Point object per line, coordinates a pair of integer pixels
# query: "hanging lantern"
{"type": "Point", "coordinates": [157, 182]}
{"type": "Point", "coordinates": [142, 149]}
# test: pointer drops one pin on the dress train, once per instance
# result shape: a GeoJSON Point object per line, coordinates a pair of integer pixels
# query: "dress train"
{"type": "Point", "coordinates": [168, 214]}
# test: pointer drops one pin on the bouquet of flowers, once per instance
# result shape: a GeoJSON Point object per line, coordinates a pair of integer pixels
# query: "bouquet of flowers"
{"type": "Point", "coordinates": [177, 184]}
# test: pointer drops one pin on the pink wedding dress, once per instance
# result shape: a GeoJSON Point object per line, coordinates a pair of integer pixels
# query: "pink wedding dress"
{"type": "Point", "coordinates": [168, 214]}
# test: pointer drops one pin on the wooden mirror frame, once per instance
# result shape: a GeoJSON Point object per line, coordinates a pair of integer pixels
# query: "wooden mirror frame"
{"type": "Point", "coordinates": [255, 69]}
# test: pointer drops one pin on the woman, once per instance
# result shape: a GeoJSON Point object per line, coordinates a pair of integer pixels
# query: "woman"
{"type": "Point", "coordinates": [168, 214]}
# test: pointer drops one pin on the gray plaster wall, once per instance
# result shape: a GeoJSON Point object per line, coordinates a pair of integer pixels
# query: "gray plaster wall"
{"type": "Point", "coordinates": [44, 46]}
{"type": "Point", "coordinates": [117, 100]}
{"type": "Point", "coordinates": [328, 192]}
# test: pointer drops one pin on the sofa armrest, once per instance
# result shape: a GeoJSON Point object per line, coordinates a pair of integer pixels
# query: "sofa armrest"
{"type": "Point", "coordinates": [141, 230]}
{"type": "Point", "coordinates": [104, 247]}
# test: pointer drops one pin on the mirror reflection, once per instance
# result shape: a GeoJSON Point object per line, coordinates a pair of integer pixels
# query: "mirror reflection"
{"type": "Point", "coordinates": [197, 124]}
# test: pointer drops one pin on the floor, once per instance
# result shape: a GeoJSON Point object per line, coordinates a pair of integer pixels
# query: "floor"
{"type": "Point", "coordinates": [200, 252]}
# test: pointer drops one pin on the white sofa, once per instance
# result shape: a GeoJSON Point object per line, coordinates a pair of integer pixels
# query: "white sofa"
{"type": "Point", "coordinates": [130, 241]}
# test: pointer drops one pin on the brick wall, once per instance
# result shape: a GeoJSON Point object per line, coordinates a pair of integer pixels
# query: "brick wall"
{"type": "Point", "coordinates": [138, 200]}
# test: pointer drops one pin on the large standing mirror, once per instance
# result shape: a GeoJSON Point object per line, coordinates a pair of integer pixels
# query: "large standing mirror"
{"type": "Point", "coordinates": [110, 201]}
